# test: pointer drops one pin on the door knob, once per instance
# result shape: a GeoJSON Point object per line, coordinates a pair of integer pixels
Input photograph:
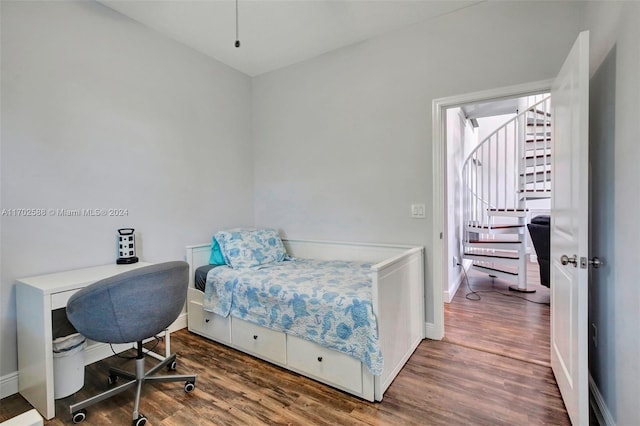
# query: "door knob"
{"type": "Point", "coordinates": [595, 262]}
{"type": "Point", "coordinates": [565, 260]}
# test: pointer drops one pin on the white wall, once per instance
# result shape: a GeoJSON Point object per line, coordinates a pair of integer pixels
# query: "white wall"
{"type": "Point", "coordinates": [100, 112]}
{"type": "Point", "coordinates": [343, 141]}
{"type": "Point", "coordinates": [461, 136]}
{"type": "Point", "coordinates": [488, 125]}
{"type": "Point", "coordinates": [614, 290]}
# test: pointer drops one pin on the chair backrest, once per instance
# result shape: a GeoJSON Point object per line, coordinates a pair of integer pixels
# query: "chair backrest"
{"type": "Point", "coordinates": [131, 306]}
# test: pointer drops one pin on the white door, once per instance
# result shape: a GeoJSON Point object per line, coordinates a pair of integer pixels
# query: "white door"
{"type": "Point", "coordinates": [569, 230]}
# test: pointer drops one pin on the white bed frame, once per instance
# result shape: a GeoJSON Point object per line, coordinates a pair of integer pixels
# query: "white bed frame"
{"type": "Point", "coordinates": [398, 303]}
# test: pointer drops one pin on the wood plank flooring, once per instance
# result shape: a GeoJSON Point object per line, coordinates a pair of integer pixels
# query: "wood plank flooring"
{"type": "Point", "coordinates": [502, 321]}
{"type": "Point", "coordinates": [444, 383]}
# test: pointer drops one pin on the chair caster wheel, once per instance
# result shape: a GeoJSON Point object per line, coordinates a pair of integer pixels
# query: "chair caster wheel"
{"type": "Point", "coordinates": [172, 366]}
{"type": "Point", "coordinates": [140, 421]}
{"type": "Point", "coordinates": [189, 386]}
{"type": "Point", "coordinates": [112, 379]}
{"type": "Point", "coordinates": [79, 416]}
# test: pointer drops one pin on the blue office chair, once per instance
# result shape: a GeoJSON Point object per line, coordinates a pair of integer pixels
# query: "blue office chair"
{"type": "Point", "coordinates": [126, 308]}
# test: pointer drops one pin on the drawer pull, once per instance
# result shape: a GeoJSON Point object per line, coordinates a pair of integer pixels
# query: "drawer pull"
{"type": "Point", "coordinates": [319, 359]}
{"type": "Point", "coordinates": [255, 337]}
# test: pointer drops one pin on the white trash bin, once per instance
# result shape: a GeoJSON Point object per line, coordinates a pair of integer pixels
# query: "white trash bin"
{"type": "Point", "coordinates": [68, 365]}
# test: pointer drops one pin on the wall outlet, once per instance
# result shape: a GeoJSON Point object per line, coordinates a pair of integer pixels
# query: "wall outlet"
{"type": "Point", "coordinates": [455, 261]}
{"type": "Point", "coordinates": [418, 211]}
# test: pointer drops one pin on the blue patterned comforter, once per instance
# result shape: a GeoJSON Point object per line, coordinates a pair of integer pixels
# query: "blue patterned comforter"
{"type": "Point", "coordinates": [326, 302]}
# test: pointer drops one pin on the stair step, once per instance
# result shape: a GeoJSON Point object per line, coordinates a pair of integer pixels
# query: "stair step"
{"type": "Point", "coordinates": [497, 226]}
{"type": "Point", "coordinates": [500, 273]}
{"type": "Point", "coordinates": [538, 150]}
{"type": "Point", "coordinates": [492, 258]}
{"type": "Point", "coordinates": [507, 212]}
{"type": "Point", "coordinates": [538, 194]}
{"type": "Point", "coordinates": [539, 121]}
{"type": "Point", "coordinates": [540, 188]}
{"type": "Point", "coordinates": [537, 160]}
{"type": "Point", "coordinates": [538, 147]}
{"type": "Point", "coordinates": [533, 177]}
{"type": "Point", "coordinates": [500, 250]}
{"type": "Point", "coordinates": [536, 132]}
{"type": "Point", "coordinates": [487, 254]}
{"type": "Point", "coordinates": [495, 229]}
{"type": "Point", "coordinates": [538, 140]}
{"type": "Point", "coordinates": [504, 250]}
{"type": "Point", "coordinates": [492, 244]}
{"type": "Point", "coordinates": [493, 241]}
{"type": "Point", "coordinates": [539, 112]}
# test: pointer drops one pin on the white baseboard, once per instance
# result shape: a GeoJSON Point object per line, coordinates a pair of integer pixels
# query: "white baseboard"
{"type": "Point", "coordinates": [179, 323]}
{"type": "Point", "coordinates": [9, 384]}
{"type": "Point", "coordinates": [432, 332]}
{"type": "Point", "coordinates": [599, 406]}
{"type": "Point", "coordinates": [93, 353]}
{"type": "Point", "coordinates": [451, 291]}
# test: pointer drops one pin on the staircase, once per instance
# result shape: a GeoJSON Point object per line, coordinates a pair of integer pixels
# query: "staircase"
{"type": "Point", "coordinates": [506, 170]}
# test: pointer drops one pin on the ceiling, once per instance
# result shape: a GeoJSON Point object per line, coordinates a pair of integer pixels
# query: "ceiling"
{"type": "Point", "coordinates": [493, 108]}
{"type": "Point", "coordinates": [274, 34]}
{"type": "Point", "coordinates": [501, 106]}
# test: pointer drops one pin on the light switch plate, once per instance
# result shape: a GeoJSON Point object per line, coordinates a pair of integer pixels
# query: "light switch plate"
{"type": "Point", "coordinates": [418, 211]}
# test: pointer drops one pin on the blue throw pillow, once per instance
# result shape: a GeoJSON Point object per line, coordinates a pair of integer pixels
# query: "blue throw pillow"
{"type": "Point", "coordinates": [216, 255]}
{"type": "Point", "coordinates": [249, 248]}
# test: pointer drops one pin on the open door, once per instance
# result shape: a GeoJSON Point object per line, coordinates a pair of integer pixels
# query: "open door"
{"type": "Point", "coordinates": [569, 230]}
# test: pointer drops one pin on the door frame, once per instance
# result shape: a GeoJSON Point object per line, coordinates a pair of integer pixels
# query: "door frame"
{"type": "Point", "coordinates": [440, 262]}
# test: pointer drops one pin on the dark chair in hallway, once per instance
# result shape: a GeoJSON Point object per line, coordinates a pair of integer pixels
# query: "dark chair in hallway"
{"type": "Point", "coordinates": [540, 231]}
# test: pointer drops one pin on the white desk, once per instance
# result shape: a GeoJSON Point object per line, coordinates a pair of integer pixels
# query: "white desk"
{"type": "Point", "coordinates": [36, 297]}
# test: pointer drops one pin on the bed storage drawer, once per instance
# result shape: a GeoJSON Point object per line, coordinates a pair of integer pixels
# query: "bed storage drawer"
{"type": "Point", "coordinates": [207, 323]}
{"type": "Point", "coordinates": [260, 341]}
{"type": "Point", "coordinates": [324, 364]}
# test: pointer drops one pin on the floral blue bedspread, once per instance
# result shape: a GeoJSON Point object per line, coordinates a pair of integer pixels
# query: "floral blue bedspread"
{"type": "Point", "coordinates": [326, 302]}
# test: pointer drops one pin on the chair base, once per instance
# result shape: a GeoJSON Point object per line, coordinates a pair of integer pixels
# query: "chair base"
{"type": "Point", "coordinates": [77, 410]}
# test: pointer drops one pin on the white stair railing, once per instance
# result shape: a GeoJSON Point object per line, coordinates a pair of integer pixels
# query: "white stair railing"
{"type": "Point", "coordinates": [536, 147]}
{"type": "Point", "coordinates": [506, 166]}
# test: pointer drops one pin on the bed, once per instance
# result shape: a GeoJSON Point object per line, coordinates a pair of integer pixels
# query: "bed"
{"type": "Point", "coordinates": [395, 309]}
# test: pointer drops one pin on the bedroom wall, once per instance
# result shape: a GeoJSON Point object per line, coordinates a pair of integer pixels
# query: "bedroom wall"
{"type": "Point", "coordinates": [100, 112]}
{"type": "Point", "coordinates": [343, 141]}
{"type": "Point", "coordinates": [614, 292]}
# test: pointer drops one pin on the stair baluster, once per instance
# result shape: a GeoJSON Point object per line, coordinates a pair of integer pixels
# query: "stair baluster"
{"type": "Point", "coordinates": [497, 188]}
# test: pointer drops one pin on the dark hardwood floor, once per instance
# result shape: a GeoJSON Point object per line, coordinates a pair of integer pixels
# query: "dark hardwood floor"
{"type": "Point", "coordinates": [450, 382]}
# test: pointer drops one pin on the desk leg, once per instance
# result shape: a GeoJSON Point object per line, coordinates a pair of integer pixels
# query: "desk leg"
{"type": "Point", "coordinates": [35, 349]}
{"type": "Point", "coordinates": [167, 343]}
